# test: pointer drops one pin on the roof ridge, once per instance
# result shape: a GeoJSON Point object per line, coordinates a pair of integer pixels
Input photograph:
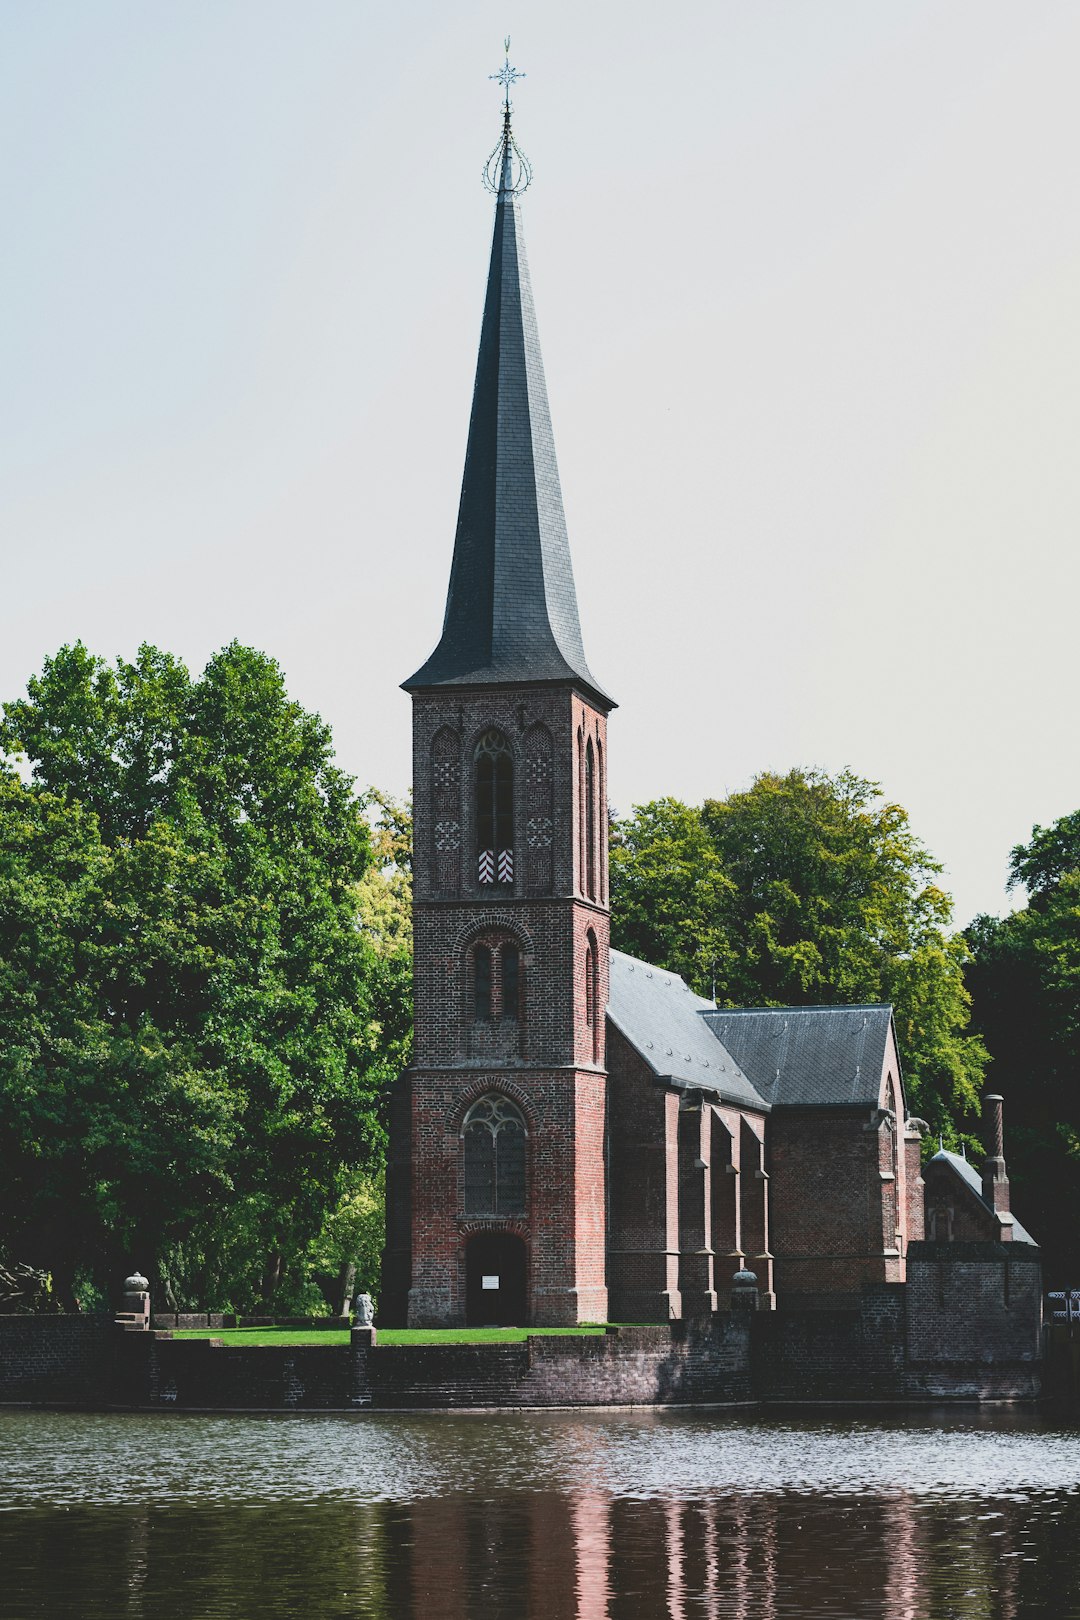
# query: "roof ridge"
{"type": "Point", "coordinates": [817, 1006]}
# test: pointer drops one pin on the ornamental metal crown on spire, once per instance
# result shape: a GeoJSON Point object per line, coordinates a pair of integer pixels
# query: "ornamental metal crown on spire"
{"type": "Point", "coordinates": [507, 169]}
{"type": "Point", "coordinates": [511, 609]}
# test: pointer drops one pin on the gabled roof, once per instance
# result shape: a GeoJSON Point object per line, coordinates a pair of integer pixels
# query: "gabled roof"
{"type": "Point", "coordinates": [511, 609]}
{"type": "Point", "coordinates": [660, 1016]}
{"type": "Point", "coordinates": [816, 1057]}
{"type": "Point", "coordinates": [973, 1181]}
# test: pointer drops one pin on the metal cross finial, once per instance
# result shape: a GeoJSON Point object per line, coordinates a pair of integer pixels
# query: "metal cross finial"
{"type": "Point", "coordinates": [507, 75]}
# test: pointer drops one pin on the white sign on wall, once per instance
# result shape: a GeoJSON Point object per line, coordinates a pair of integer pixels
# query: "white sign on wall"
{"type": "Point", "coordinates": [490, 1282]}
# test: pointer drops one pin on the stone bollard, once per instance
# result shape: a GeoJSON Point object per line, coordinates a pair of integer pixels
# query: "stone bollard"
{"type": "Point", "coordinates": [135, 1315]}
{"type": "Point", "coordinates": [744, 1291]}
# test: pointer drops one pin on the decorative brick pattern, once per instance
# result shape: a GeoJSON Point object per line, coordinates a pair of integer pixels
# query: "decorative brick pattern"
{"type": "Point", "coordinates": [446, 810]}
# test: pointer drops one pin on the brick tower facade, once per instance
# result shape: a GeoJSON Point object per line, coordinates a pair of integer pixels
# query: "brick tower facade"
{"type": "Point", "coordinates": [496, 1175]}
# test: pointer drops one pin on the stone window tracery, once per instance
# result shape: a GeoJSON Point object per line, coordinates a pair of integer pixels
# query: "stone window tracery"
{"type": "Point", "coordinates": [494, 1136]}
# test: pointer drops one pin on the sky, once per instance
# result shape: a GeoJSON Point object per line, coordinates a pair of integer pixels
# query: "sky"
{"type": "Point", "coordinates": [807, 277]}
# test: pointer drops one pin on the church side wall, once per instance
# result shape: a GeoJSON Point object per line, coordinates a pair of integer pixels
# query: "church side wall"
{"type": "Point", "coordinates": [826, 1201]}
{"type": "Point", "coordinates": [642, 1189]}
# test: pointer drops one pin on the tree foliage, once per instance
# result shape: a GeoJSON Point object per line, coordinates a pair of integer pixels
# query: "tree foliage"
{"type": "Point", "coordinates": [192, 1046]}
{"type": "Point", "coordinates": [805, 889]}
{"type": "Point", "coordinates": [1025, 983]}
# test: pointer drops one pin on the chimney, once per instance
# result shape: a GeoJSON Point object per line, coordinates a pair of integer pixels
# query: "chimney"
{"type": "Point", "coordinates": [995, 1183]}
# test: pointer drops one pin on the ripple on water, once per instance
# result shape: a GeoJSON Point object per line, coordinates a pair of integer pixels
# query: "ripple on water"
{"type": "Point", "coordinates": [588, 1515]}
{"type": "Point", "coordinates": [64, 1458]}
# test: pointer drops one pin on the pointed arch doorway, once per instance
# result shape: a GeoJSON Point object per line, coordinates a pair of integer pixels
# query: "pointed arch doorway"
{"type": "Point", "coordinates": [495, 1281]}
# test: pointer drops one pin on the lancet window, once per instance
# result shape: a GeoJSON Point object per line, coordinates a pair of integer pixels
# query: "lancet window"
{"type": "Point", "coordinates": [496, 980]}
{"type": "Point", "coordinates": [592, 995]}
{"type": "Point", "coordinates": [494, 809]}
{"type": "Point", "coordinates": [590, 821]}
{"type": "Point", "coordinates": [494, 1136]}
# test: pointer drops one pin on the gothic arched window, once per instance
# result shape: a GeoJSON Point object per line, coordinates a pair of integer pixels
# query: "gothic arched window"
{"type": "Point", "coordinates": [592, 994]}
{"type": "Point", "coordinates": [493, 1133]}
{"type": "Point", "coordinates": [581, 808]}
{"type": "Point", "coordinates": [590, 821]}
{"type": "Point", "coordinates": [601, 819]}
{"type": "Point", "coordinates": [494, 809]}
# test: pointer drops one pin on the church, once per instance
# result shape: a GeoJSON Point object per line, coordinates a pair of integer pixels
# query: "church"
{"type": "Point", "coordinates": [579, 1137]}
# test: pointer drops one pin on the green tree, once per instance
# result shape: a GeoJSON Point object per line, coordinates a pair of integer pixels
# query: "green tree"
{"type": "Point", "coordinates": [804, 889]}
{"type": "Point", "coordinates": [191, 1064]}
{"type": "Point", "coordinates": [1024, 978]}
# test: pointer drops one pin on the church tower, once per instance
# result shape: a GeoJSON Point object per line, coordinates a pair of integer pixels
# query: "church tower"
{"type": "Point", "coordinates": [496, 1179]}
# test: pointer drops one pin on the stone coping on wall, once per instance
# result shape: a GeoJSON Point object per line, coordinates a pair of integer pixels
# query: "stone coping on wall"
{"type": "Point", "coordinates": [187, 1321]}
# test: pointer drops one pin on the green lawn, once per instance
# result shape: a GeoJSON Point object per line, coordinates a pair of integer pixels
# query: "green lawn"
{"type": "Point", "coordinates": [386, 1336]}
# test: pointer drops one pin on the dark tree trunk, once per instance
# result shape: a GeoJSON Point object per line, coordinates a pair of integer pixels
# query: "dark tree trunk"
{"type": "Point", "coordinates": [346, 1284]}
{"type": "Point", "coordinates": [272, 1277]}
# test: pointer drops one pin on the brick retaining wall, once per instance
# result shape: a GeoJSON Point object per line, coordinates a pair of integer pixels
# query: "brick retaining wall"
{"type": "Point", "coordinates": [966, 1326]}
{"type": "Point", "coordinates": [851, 1353]}
{"type": "Point", "coordinates": [55, 1360]}
{"type": "Point", "coordinates": [686, 1363]}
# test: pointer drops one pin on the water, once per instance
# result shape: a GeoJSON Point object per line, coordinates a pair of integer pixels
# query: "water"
{"type": "Point", "coordinates": [585, 1515]}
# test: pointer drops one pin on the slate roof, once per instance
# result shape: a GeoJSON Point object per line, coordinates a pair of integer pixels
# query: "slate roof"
{"type": "Point", "coordinates": [799, 1057]}
{"type": "Point", "coordinates": [660, 1016]}
{"type": "Point", "coordinates": [511, 609]}
{"type": "Point", "coordinates": [971, 1177]}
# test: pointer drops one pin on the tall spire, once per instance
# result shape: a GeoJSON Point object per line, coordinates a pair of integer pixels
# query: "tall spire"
{"type": "Point", "coordinates": [511, 609]}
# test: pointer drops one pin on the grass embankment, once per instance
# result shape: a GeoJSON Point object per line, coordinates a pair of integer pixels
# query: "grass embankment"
{"type": "Point", "coordinates": [386, 1336]}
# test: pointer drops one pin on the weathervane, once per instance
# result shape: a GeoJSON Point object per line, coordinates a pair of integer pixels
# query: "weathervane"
{"type": "Point", "coordinates": [507, 170]}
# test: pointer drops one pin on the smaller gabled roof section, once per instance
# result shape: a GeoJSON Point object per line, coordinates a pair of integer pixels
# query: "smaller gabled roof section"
{"type": "Point", "coordinates": [809, 1057]}
{"type": "Point", "coordinates": [660, 1016]}
{"type": "Point", "coordinates": [973, 1181]}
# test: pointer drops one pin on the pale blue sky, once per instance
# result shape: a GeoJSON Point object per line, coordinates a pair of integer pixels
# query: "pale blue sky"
{"type": "Point", "coordinates": [807, 282]}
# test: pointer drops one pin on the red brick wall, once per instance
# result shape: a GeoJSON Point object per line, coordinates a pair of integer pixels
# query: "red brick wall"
{"type": "Point", "coordinates": [551, 1062]}
{"type": "Point", "coordinates": [827, 1206]}
{"type": "Point", "coordinates": [845, 1192]}
{"type": "Point", "coordinates": [954, 1214]}
{"type": "Point", "coordinates": [643, 1269]}
{"type": "Point", "coordinates": [675, 1199]}
{"type": "Point", "coordinates": [915, 1190]}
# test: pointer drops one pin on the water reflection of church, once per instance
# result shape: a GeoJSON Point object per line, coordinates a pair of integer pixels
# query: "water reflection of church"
{"type": "Point", "coordinates": [742, 1555]}
{"type": "Point", "coordinates": [590, 1551]}
{"type": "Point", "coordinates": [579, 1137]}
